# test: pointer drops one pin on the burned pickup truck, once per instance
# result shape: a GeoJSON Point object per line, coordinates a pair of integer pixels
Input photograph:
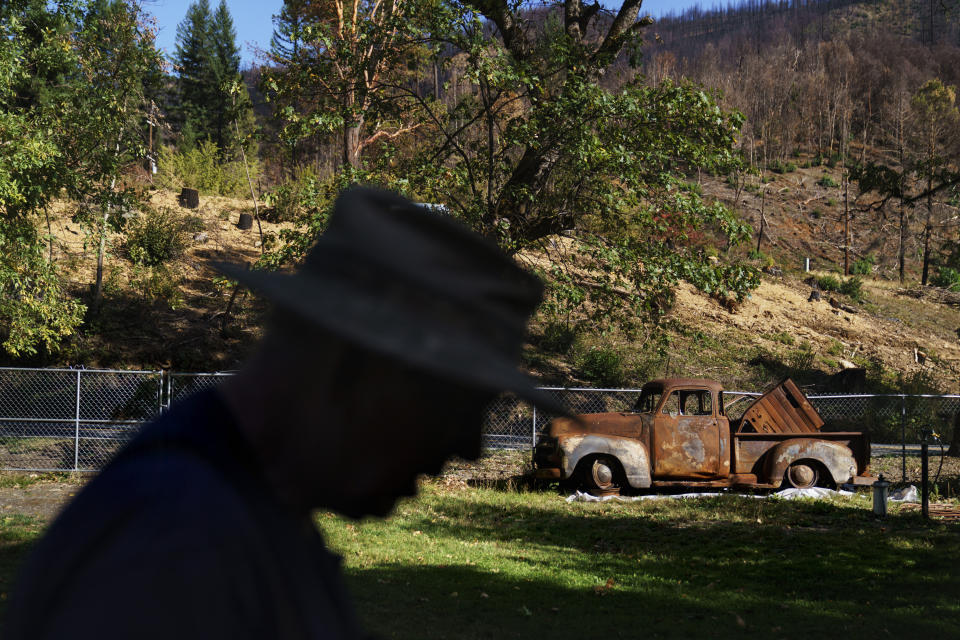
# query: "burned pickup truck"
{"type": "Point", "coordinates": [679, 435]}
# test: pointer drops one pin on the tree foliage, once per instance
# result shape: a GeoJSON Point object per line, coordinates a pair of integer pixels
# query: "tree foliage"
{"type": "Point", "coordinates": [207, 61]}
{"type": "Point", "coordinates": [334, 63]}
{"type": "Point", "coordinates": [532, 148]}
{"type": "Point", "coordinates": [34, 312]}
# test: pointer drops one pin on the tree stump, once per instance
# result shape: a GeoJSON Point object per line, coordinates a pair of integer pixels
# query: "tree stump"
{"type": "Point", "coordinates": [189, 198]}
{"type": "Point", "coordinates": [245, 222]}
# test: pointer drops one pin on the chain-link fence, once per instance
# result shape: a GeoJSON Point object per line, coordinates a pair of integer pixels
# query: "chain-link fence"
{"type": "Point", "coordinates": [181, 385]}
{"type": "Point", "coordinates": [70, 419]}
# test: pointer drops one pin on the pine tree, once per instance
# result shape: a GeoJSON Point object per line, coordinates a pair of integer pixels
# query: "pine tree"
{"type": "Point", "coordinates": [208, 60]}
{"type": "Point", "coordinates": [288, 26]}
{"type": "Point", "coordinates": [225, 71]}
{"type": "Point", "coordinates": [192, 59]}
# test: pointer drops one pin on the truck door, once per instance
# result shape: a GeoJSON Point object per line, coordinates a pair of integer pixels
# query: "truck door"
{"type": "Point", "coordinates": [686, 436]}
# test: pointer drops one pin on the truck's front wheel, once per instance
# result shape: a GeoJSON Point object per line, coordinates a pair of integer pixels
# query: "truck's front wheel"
{"type": "Point", "coordinates": [600, 476]}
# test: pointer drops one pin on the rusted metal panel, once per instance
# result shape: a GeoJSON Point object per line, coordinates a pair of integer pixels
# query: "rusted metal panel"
{"type": "Point", "coordinates": [626, 425]}
{"type": "Point", "coordinates": [835, 457]}
{"type": "Point", "coordinates": [631, 455]}
{"type": "Point", "coordinates": [783, 409]}
{"type": "Point", "coordinates": [685, 446]}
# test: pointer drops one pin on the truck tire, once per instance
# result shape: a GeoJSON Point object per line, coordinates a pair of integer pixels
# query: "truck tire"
{"type": "Point", "coordinates": [802, 474]}
{"type": "Point", "coordinates": [600, 476]}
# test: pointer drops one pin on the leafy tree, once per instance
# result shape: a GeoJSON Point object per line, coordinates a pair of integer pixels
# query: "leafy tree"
{"type": "Point", "coordinates": [102, 128]}
{"type": "Point", "coordinates": [34, 310]}
{"type": "Point", "coordinates": [542, 150]}
{"type": "Point", "coordinates": [333, 60]}
{"type": "Point", "coordinates": [537, 153]}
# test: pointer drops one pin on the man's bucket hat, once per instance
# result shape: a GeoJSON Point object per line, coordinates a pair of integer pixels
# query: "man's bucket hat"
{"type": "Point", "coordinates": [411, 282]}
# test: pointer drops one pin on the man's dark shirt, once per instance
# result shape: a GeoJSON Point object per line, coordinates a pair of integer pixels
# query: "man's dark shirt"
{"type": "Point", "coordinates": [180, 537]}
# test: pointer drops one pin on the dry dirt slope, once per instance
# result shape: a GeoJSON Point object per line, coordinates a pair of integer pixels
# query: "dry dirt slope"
{"type": "Point", "coordinates": [888, 327]}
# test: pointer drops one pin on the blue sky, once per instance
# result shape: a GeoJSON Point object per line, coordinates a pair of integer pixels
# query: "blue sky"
{"type": "Point", "coordinates": [253, 20]}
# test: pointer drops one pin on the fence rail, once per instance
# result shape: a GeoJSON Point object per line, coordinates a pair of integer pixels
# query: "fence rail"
{"type": "Point", "coordinates": [77, 419]}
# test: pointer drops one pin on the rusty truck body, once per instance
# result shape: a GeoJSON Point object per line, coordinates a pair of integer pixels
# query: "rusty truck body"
{"type": "Point", "coordinates": [679, 435]}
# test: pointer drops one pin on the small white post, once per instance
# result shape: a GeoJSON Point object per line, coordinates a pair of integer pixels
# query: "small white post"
{"type": "Point", "coordinates": [806, 265]}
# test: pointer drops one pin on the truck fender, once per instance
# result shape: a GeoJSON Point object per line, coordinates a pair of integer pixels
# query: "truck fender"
{"type": "Point", "coordinates": [837, 458]}
{"type": "Point", "coordinates": [631, 455]}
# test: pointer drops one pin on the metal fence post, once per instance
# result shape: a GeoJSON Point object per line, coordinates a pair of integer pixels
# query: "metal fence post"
{"type": "Point", "coordinates": [162, 380]}
{"type": "Point", "coordinates": [903, 438]}
{"type": "Point", "coordinates": [534, 434]}
{"type": "Point", "coordinates": [76, 431]}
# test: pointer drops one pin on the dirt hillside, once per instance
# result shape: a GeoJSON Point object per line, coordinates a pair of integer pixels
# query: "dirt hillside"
{"type": "Point", "coordinates": [906, 335]}
{"type": "Point", "coordinates": [183, 326]}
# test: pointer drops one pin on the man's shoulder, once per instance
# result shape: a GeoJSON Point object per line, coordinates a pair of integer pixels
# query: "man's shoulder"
{"type": "Point", "coordinates": [164, 517]}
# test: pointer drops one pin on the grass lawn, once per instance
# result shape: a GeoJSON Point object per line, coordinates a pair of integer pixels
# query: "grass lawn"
{"type": "Point", "coordinates": [471, 562]}
{"type": "Point", "coordinates": [482, 563]}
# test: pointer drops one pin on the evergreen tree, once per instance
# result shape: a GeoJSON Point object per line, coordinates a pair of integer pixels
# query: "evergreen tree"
{"type": "Point", "coordinates": [225, 69]}
{"type": "Point", "coordinates": [288, 30]}
{"type": "Point", "coordinates": [192, 60]}
{"type": "Point", "coordinates": [208, 61]}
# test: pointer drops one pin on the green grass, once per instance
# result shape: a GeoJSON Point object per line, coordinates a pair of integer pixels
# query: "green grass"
{"type": "Point", "coordinates": [21, 479]}
{"type": "Point", "coordinates": [462, 562]}
{"type": "Point", "coordinates": [17, 533]}
{"type": "Point", "coordinates": [480, 563]}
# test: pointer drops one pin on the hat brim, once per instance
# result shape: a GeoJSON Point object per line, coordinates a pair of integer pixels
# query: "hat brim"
{"type": "Point", "coordinates": [381, 325]}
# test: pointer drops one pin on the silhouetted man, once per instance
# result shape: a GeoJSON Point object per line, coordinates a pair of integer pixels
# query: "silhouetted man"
{"type": "Point", "coordinates": [381, 355]}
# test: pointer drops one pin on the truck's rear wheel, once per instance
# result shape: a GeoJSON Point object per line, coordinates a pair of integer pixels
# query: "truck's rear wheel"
{"type": "Point", "coordinates": [802, 475]}
{"type": "Point", "coordinates": [600, 477]}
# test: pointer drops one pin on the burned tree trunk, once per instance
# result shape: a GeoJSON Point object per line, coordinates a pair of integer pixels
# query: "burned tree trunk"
{"type": "Point", "coordinates": [189, 198]}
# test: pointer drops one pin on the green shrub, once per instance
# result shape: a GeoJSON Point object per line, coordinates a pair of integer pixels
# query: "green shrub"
{"type": "Point", "coordinates": [836, 348]}
{"type": "Point", "coordinates": [288, 201]}
{"type": "Point", "coordinates": [202, 168]}
{"type": "Point", "coordinates": [157, 283]}
{"type": "Point", "coordinates": [863, 266]}
{"type": "Point", "coordinates": [558, 336]}
{"type": "Point", "coordinates": [782, 167]}
{"type": "Point", "coordinates": [947, 278]}
{"type": "Point", "coordinates": [828, 283]}
{"type": "Point", "coordinates": [831, 202]}
{"type": "Point", "coordinates": [603, 366]}
{"type": "Point", "coordinates": [194, 224]}
{"type": "Point", "coordinates": [802, 358]}
{"type": "Point", "coordinates": [816, 213]}
{"type": "Point", "coordinates": [827, 181]}
{"type": "Point", "coordinates": [783, 338]}
{"type": "Point", "coordinates": [853, 287]}
{"type": "Point", "coordinates": [156, 236]}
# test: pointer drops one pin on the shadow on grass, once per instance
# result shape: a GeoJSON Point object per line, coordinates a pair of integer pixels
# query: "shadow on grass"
{"type": "Point", "coordinates": [669, 571]}
{"type": "Point", "coordinates": [12, 555]}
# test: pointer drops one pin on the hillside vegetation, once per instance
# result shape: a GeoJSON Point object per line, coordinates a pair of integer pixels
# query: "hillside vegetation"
{"type": "Point", "coordinates": [669, 181]}
{"type": "Point", "coordinates": [175, 317]}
